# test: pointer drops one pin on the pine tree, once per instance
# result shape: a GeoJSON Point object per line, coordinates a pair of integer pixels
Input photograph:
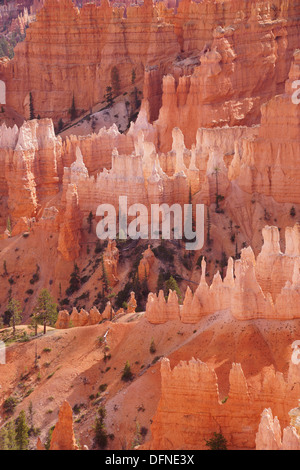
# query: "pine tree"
{"type": "Point", "coordinates": [15, 311]}
{"type": "Point", "coordinates": [217, 187]}
{"type": "Point", "coordinates": [115, 81]}
{"type": "Point", "coordinates": [171, 284]}
{"type": "Point", "coordinates": [209, 240]}
{"type": "Point", "coordinates": [46, 309]}
{"type": "Point", "coordinates": [101, 435]}
{"type": "Point", "coordinates": [152, 348]}
{"type": "Point", "coordinates": [90, 220]}
{"type": "Point", "coordinates": [108, 96]}
{"type": "Point", "coordinates": [127, 374]}
{"type": "Point", "coordinates": [4, 440]}
{"type": "Point", "coordinates": [160, 282]}
{"type": "Point", "coordinates": [133, 76]}
{"type": "Point", "coordinates": [22, 432]}
{"type": "Point", "coordinates": [104, 278]}
{"type": "Point", "coordinates": [60, 125]}
{"type": "Point", "coordinates": [31, 108]}
{"type": "Point", "coordinates": [217, 442]}
{"type": "Point", "coordinates": [72, 110]}
{"type": "Point", "coordinates": [11, 436]}
{"type": "Point", "coordinates": [74, 280]}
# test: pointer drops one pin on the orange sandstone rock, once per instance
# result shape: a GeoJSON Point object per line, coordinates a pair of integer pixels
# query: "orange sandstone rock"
{"type": "Point", "coordinates": [63, 437]}
{"type": "Point", "coordinates": [270, 437]}
{"type": "Point", "coordinates": [190, 409]}
{"type": "Point", "coordinates": [79, 318]}
{"type": "Point", "coordinates": [63, 320]}
{"type": "Point", "coordinates": [39, 445]}
{"type": "Point", "coordinates": [69, 234]}
{"type": "Point", "coordinates": [94, 316]}
{"type": "Point", "coordinates": [145, 264]}
{"type": "Point", "coordinates": [110, 262]}
{"type": "Point", "coordinates": [132, 304]}
{"type": "Point", "coordinates": [61, 35]}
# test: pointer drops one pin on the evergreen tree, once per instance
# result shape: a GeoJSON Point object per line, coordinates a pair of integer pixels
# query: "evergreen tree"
{"type": "Point", "coordinates": [152, 348]}
{"type": "Point", "coordinates": [104, 278]}
{"type": "Point", "coordinates": [45, 310]}
{"type": "Point", "coordinates": [133, 76]}
{"type": "Point", "coordinates": [4, 441]}
{"type": "Point", "coordinates": [217, 442]}
{"type": "Point", "coordinates": [209, 240]}
{"type": "Point", "coordinates": [49, 437]}
{"type": "Point", "coordinates": [74, 280]}
{"type": "Point", "coordinates": [72, 110]}
{"type": "Point", "coordinates": [11, 436]}
{"type": "Point", "coordinates": [22, 432]}
{"type": "Point", "coordinates": [15, 311]}
{"type": "Point", "coordinates": [5, 268]}
{"type": "Point", "coordinates": [90, 220]}
{"type": "Point", "coordinates": [160, 282]}
{"type": "Point", "coordinates": [108, 96]}
{"type": "Point", "coordinates": [60, 125]}
{"type": "Point", "coordinates": [101, 435]}
{"type": "Point", "coordinates": [115, 81]}
{"type": "Point", "coordinates": [127, 374]}
{"type": "Point", "coordinates": [217, 169]}
{"type": "Point", "coordinates": [171, 284]}
{"type": "Point", "coordinates": [223, 264]}
{"type": "Point", "coordinates": [31, 108]}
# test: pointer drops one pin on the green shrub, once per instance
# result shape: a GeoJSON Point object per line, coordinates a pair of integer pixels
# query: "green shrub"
{"type": "Point", "coordinates": [127, 374]}
{"type": "Point", "coordinates": [217, 442]}
{"type": "Point", "coordinates": [152, 347]}
{"type": "Point", "coordinates": [10, 404]}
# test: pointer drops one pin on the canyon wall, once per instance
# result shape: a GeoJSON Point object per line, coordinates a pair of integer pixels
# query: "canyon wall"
{"type": "Point", "coordinates": [210, 48]}
{"type": "Point", "coordinates": [190, 409]}
{"type": "Point", "coordinates": [232, 39]}
{"type": "Point", "coordinates": [82, 44]}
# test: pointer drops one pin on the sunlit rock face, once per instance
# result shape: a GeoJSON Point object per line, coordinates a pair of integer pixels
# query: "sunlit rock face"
{"type": "Point", "coordinates": [190, 408]}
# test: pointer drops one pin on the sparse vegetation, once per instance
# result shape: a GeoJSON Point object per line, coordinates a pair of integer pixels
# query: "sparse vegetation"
{"type": "Point", "coordinates": [75, 281]}
{"type": "Point", "coordinates": [152, 347]}
{"type": "Point", "coordinates": [72, 110]}
{"type": "Point", "coordinates": [171, 284]}
{"type": "Point", "coordinates": [101, 435]}
{"type": "Point", "coordinates": [9, 404]}
{"type": "Point", "coordinates": [22, 430]}
{"type": "Point", "coordinates": [115, 81]}
{"type": "Point", "coordinates": [15, 314]}
{"type": "Point", "coordinates": [45, 312]}
{"type": "Point", "coordinates": [31, 108]}
{"type": "Point", "coordinates": [127, 374]}
{"type": "Point", "coordinates": [217, 442]}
